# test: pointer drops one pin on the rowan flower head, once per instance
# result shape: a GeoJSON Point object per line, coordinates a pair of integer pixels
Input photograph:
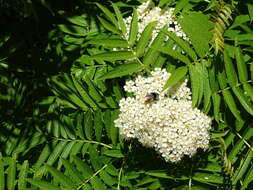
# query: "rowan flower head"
{"type": "Point", "coordinates": [168, 124]}
{"type": "Point", "coordinates": [147, 14]}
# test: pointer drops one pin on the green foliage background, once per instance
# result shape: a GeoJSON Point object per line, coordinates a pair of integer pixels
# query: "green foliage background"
{"type": "Point", "coordinates": [61, 80]}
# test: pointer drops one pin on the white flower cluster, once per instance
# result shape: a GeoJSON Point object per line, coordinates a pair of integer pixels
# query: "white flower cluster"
{"type": "Point", "coordinates": [169, 124]}
{"type": "Point", "coordinates": [147, 15]}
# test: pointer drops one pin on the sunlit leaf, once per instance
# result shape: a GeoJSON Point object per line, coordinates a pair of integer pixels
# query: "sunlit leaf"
{"type": "Point", "coordinates": [120, 19]}
{"type": "Point", "coordinates": [114, 55]}
{"type": "Point", "coordinates": [241, 66]}
{"type": "Point", "coordinates": [197, 25]}
{"type": "Point", "coordinates": [108, 26]}
{"type": "Point", "coordinates": [145, 38]}
{"type": "Point", "coordinates": [108, 14]}
{"type": "Point", "coordinates": [176, 76]}
{"type": "Point", "coordinates": [183, 44]}
{"type": "Point", "coordinates": [122, 70]}
{"type": "Point", "coordinates": [133, 28]}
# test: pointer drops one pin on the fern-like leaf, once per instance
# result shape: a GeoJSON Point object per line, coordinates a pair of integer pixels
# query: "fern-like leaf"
{"type": "Point", "coordinates": [221, 20]}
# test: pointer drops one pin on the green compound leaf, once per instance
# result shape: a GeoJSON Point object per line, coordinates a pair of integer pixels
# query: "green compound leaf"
{"type": "Point", "coordinates": [207, 90]}
{"type": "Point", "coordinates": [113, 153]}
{"type": "Point", "coordinates": [64, 180]}
{"type": "Point", "coordinates": [94, 92]}
{"type": "Point", "coordinates": [241, 66]}
{"type": "Point", "coordinates": [250, 10]}
{"type": "Point", "coordinates": [145, 38]}
{"type": "Point", "coordinates": [82, 167]}
{"type": "Point", "coordinates": [107, 178]}
{"type": "Point", "coordinates": [183, 44]}
{"type": "Point", "coordinates": [207, 178]}
{"type": "Point", "coordinates": [79, 31]}
{"type": "Point", "coordinates": [231, 103]}
{"type": "Point", "coordinates": [2, 178]}
{"type": "Point", "coordinates": [216, 106]}
{"type": "Point", "coordinates": [243, 168]}
{"type": "Point", "coordinates": [174, 54]}
{"type": "Point", "coordinates": [197, 83]}
{"type": "Point", "coordinates": [213, 78]}
{"type": "Point", "coordinates": [239, 145]}
{"type": "Point", "coordinates": [108, 14]}
{"type": "Point", "coordinates": [218, 135]}
{"type": "Point", "coordinates": [107, 118]}
{"type": "Point", "coordinates": [98, 125]}
{"type": "Point", "coordinates": [153, 53]}
{"type": "Point", "coordinates": [66, 152]}
{"type": "Point", "coordinates": [88, 124]}
{"type": "Point", "coordinates": [239, 20]}
{"type": "Point", "coordinates": [78, 20]}
{"type": "Point", "coordinates": [122, 70]}
{"type": "Point", "coordinates": [180, 5]}
{"type": "Point", "coordinates": [248, 90]}
{"type": "Point", "coordinates": [162, 174]}
{"type": "Point", "coordinates": [45, 153]}
{"type": "Point", "coordinates": [248, 178]}
{"type": "Point", "coordinates": [84, 93]}
{"type": "Point", "coordinates": [97, 184]}
{"type": "Point", "coordinates": [230, 137]}
{"type": "Point", "coordinates": [56, 152]}
{"type": "Point", "coordinates": [22, 176]}
{"type": "Point", "coordinates": [73, 172]}
{"type": "Point", "coordinates": [197, 25]}
{"type": "Point", "coordinates": [121, 21]}
{"type": "Point", "coordinates": [114, 131]}
{"type": "Point", "coordinates": [229, 99]}
{"type": "Point", "coordinates": [133, 28]}
{"type": "Point", "coordinates": [114, 55]}
{"type": "Point", "coordinates": [230, 70]}
{"type": "Point", "coordinates": [11, 174]}
{"type": "Point", "coordinates": [176, 76]}
{"type": "Point", "coordinates": [109, 42]}
{"type": "Point", "coordinates": [43, 185]}
{"type": "Point", "coordinates": [60, 88]}
{"type": "Point", "coordinates": [233, 80]}
{"type": "Point", "coordinates": [243, 99]}
{"type": "Point", "coordinates": [108, 26]}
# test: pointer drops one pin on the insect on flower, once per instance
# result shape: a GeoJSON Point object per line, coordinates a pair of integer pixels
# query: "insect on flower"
{"type": "Point", "coordinates": [151, 97]}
